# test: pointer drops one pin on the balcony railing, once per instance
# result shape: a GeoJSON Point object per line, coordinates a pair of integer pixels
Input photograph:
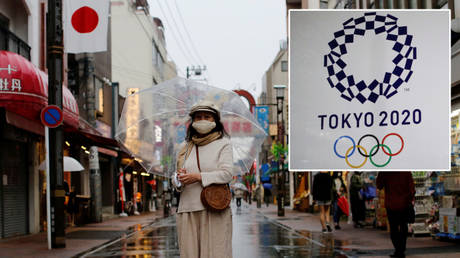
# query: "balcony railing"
{"type": "Point", "coordinates": [9, 41]}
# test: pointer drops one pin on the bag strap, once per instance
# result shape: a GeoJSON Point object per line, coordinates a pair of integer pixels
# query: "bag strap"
{"type": "Point", "coordinates": [197, 157]}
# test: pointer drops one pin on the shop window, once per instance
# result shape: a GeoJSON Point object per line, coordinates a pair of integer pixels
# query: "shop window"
{"type": "Point", "coordinates": [9, 41]}
{"type": "Point", "coordinates": [4, 25]}
{"type": "Point", "coordinates": [72, 74]}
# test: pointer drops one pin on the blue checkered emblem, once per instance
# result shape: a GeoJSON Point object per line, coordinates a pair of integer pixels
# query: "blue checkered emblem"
{"type": "Point", "coordinates": [351, 87]}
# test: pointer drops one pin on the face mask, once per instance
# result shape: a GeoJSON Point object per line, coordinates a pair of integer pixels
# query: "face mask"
{"type": "Point", "coordinates": [203, 126]}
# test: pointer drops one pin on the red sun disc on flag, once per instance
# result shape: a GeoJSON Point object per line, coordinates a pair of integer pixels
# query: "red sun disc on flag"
{"type": "Point", "coordinates": [85, 19]}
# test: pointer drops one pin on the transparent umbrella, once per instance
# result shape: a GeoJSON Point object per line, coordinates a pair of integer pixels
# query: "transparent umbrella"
{"type": "Point", "coordinates": [154, 121]}
{"type": "Point", "coordinates": [239, 185]}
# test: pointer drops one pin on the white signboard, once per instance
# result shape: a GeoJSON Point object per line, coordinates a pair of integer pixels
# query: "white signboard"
{"type": "Point", "coordinates": [369, 90]}
{"type": "Point", "coordinates": [93, 158]}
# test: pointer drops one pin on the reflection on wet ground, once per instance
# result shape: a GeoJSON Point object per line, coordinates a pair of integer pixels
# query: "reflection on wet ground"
{"type": "Point", "coordinates": [254, 235]}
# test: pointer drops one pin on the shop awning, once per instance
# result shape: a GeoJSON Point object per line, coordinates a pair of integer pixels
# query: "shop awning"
{"type": "Point", "coordinates": [24, 90]}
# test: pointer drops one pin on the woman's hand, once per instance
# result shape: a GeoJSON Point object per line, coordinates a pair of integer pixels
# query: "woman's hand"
{"type": "Point", "coordinates": [191, 178]}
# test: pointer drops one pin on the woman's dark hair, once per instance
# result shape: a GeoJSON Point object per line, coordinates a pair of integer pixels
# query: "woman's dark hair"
{"type": "Point", "coordinates": [337, 175]}
{"type": "Point", "coordinates": [219, 128]}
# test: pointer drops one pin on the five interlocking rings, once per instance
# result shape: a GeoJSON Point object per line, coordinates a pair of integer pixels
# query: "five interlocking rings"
{"type": "Point", "coordinates": [373, 151]}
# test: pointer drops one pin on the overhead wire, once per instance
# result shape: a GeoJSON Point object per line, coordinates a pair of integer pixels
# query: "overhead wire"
{"type": "Point", "coordinates": [179, 32]}
{"type": "Point", "coordinates": [181, 17]}
{"type": "Point", "coordinates": [150, 38]}
{"type": "Point", "coordinates": [179, 43]}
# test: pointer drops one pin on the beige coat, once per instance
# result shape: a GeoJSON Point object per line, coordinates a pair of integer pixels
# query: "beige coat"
{"type": "Point", "coordinates": [216, 163]}
{"type": "Point", "coordinates": [201, 233]}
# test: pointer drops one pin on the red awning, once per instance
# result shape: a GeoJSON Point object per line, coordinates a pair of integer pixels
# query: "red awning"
{"type": "Point", "coordinates": [24, 89]}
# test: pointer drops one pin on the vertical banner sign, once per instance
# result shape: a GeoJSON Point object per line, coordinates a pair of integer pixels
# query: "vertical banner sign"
{"type": "Point", "coordinates": [262, 117]}
{"type": "Point", "coordinates": [369, 90]}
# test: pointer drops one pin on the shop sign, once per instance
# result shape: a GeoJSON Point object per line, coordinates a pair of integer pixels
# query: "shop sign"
{"type": "Point", "coordinates": [369, 90]}
{"type": "Point", "coordinates": [93, 158]}
{"type": "Point", "coordinates": [158, 137]}
{"type": "Point", "coordinates": [7, 83]}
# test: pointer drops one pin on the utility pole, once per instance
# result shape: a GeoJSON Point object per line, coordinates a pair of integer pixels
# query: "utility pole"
{"type": "Point", "coordinates": [280, 185]}
{"type": "Point", "coordinates": [195, 70]}
{"type": "Point", "coordinates": [55, 55]}
{"type": "Point", "coordinates": [114, 160]}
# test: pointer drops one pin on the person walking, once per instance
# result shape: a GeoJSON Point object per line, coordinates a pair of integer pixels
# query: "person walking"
{"type": "Point", "coordinates": [205, 158]}
{"type": "Point", "coordinates": [358, 207]}
{"type": "Point", "coordinates": [338, 191]}
{"type": "Point", "coordinates": [267, 196]}
{"type": "Point", "coordinates": [239, 193]}
{"type": "Point", "coordinates": [322, 195]}
{"type": "Point", "coordinates": [399, 197]}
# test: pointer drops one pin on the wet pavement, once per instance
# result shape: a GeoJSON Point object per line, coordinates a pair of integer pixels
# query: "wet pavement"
{"type": "Point", "coordinates": [254, 235]}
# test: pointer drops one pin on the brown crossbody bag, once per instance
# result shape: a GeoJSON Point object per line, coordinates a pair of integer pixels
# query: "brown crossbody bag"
{"type": "Point", "coordinates": [215, 197]}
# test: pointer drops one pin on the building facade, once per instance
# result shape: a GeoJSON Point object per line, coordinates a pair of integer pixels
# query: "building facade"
{"type": "Point", "coordinates": [139, 57]}
{"type": "Point", "coordinates": [92, 105]}
{"type": "Point", "coordinates": [23, 94]}
{"type": "Point", "coordinates": [276, 74]}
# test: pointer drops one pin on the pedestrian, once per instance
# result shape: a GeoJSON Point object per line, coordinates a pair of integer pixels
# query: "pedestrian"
{"type": "Point", "coordinates": [358, 206]}
{"type": "Point", "coordinates": [267, 196]}
{"type": "Point", "coordinates": [239, 193]}
{"type": "Point", "coordinates": [322, 195]}
{"type": "Point", "coordinates": [399, 198]}
{"type": "Point", "coordinates": [205, 158]}
{"type": "Point", "coordinates": [338, 191]}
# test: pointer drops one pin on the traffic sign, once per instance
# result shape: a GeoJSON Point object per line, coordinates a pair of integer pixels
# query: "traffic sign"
{"type": "Point", "coordinates": [52, 116]}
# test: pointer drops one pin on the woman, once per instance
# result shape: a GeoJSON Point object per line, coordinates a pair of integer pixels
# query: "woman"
{"type": "Point", "coordinates": [202, 233]}
{"type": "Point", "coordinates": [358, 207]}
{"type": "Point", "coordinates": [339, 190]}
{"type": "Point", "coordinates": [322, 195]}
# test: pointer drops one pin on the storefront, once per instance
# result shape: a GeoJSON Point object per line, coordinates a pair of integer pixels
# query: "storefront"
{"type": "Point", "coordinates": [23, 94]}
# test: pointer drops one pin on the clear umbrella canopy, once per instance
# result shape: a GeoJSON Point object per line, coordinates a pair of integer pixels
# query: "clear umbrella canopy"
{"type": "Point", "coordinates": [154, 122]}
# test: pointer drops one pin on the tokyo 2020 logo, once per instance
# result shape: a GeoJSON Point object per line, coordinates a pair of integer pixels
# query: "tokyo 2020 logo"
{"type": "Point", "coordinates": [372, 152]}
{"type": "Point", "coordinates": [351, 87]}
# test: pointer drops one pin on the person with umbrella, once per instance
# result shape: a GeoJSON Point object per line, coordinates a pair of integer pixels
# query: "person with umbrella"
{"type": "Point", "coordinates": [339, 191]}
{"type": "Point", "coordinates": [239, 193]}
{"type": "Point", "coordinates": [206, 158]}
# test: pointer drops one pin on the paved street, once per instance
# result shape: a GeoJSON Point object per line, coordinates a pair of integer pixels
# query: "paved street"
{"type": "Point", "coordinates": [257, 233]}
{"type": "Point", "coordinates": [254, 235]}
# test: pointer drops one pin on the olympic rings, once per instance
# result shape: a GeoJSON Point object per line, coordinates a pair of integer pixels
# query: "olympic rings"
{"type": "Point", "coordinates": [335, 145]}
{"type": "Point", "coordinates": [365, 159]}
{"type": "Point", "coordinates": [402, 144]}
{"type": "Point", "coordinates": [377, 140]}
{"type": "Point", "coordinates": [350, 151]}
{"type": "Point", "coordinates": [389, 159]}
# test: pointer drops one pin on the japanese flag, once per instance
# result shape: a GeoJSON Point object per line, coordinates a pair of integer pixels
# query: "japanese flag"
{"type": "Point", "coordinates": [85, 25]}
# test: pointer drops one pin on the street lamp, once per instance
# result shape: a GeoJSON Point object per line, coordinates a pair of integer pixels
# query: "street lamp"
{"type": "Point", "coordinates": [279, 105]}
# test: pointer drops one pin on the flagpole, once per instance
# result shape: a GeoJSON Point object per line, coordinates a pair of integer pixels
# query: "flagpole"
{"type": "Point", "coordinates": [55, 54]}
